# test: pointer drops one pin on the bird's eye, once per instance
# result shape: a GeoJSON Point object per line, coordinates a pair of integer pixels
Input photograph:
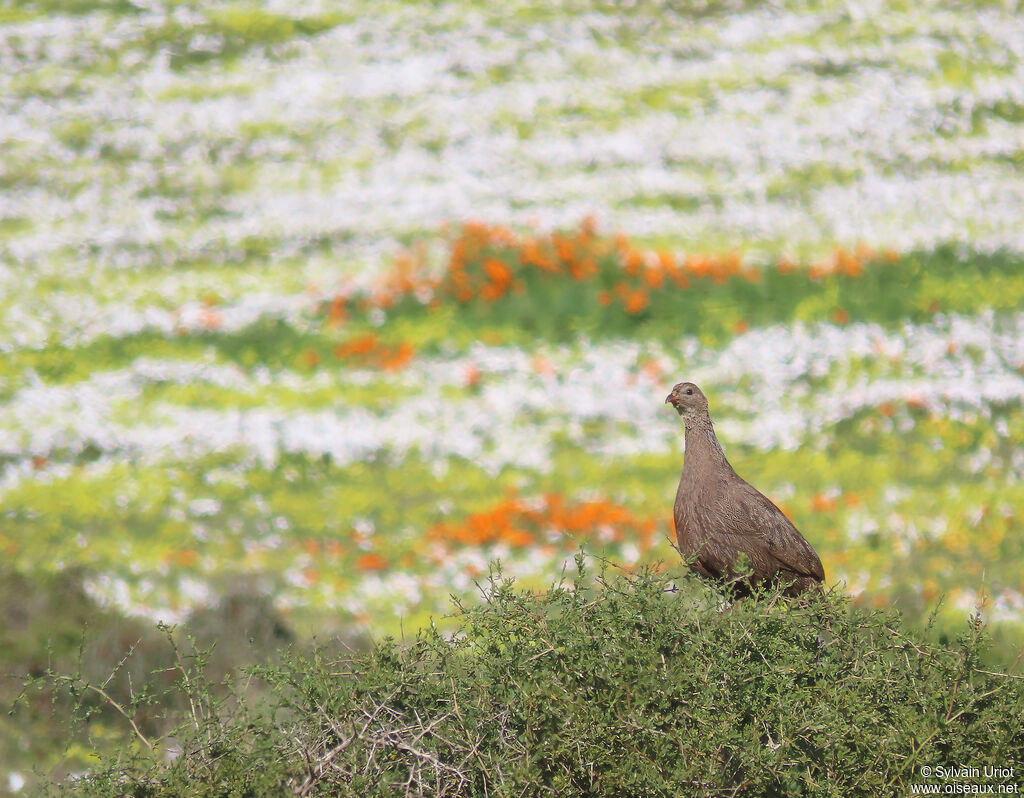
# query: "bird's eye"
{"type": "Point", "coordinates": [689, 391]}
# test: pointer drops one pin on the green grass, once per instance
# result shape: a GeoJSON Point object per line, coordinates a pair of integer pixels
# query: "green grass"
{"type": "Point", "coordinates": [914, 289]}
{"type": "Point", "coordinates": [29, 8]}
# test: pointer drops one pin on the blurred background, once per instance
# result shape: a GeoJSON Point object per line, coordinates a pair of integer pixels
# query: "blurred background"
{"type": "Point", "coordinates": [311, 310]}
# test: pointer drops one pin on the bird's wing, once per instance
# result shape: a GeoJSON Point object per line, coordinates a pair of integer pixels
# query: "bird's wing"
{"type": "Point", "coordinates": [756, 516]}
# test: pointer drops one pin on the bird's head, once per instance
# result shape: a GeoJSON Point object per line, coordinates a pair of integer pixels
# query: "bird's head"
{"type": "Point", "coordinates": [688, 400]}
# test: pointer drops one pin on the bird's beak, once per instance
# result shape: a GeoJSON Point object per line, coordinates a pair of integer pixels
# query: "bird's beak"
{"type": "Point", "coordinates": [668, 399]}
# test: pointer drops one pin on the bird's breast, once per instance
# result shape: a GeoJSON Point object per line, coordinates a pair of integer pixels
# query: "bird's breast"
{"type": "Point", "coordinates": [691, 515]}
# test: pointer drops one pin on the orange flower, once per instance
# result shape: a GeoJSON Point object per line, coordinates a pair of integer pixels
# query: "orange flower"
{"type": "Point", "coordinates": [604, 298]}
{"type": "Point", "coordinates": [822, 503]}
{"type": "Point", "coordinates": [584, 268]}
{"type": "Point", "coordinates": [741, 326]}
{"type": "Point", "coordinates": [654, 277]}
{"type": "Point", "coordinates": [397, 359]}
{"type": "Point", "coordinates": [698, 265]}
{"type": "Point", "coordinates": [534, 254]}
{"type": "Point", "coordinates": [210, 319]}
{"type": "Point", "coordinates": [588, 227]}
{"type": "Point", "coordinates": [563, 247]}
{"type": "Point", "coordinates": [458, 256]}
{"type": "Point", "coordinates": [518, 539]}
{"type": "Point", "coordinates": [820, 269]}
{"type": "Point", "coordinates": [840, 316]}
{"type": "Point", "coordinates": [500, 235]}
{"type": "Point", "coordinates": [680, 279]}
{"type": "Point", "coordinates": [371, 561]}
{"type": "Point", "coordinates": [520, 523]}
{"type": "Point", "coordinates": [542, 365]}
{"type": "Point", "coordinates": [471, 377]}
{"type": "Point", "coordinates": [491, 292]}
{"type": "Point", "coordinates": [634, 261]}
{"type": "Point", "coordinates": [554, 503]}
{"type": "Point", "coordinates": [187, 558]}
{"type": "Point", "coordinates": [498, 272]}
{"type": "Point", "coordinates": [530, 253]}
{"type": "Point", "coordinates": [651, 368]}
{"type": "Point", "coordinates": [362, 345]}
{"type": "Point", "coordinates": [636, 301]}
{"type": "Point", "coordinates": [848, 264]}
{"type": "Point", "coordinates": [337, 313]}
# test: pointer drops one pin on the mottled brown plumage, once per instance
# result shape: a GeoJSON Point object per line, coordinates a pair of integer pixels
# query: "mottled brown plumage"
{"type": "Point", "coordinates": [719, 516]}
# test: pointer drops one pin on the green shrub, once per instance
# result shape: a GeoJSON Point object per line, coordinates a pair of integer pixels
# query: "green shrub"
{"type": "Point", "coordinates": [639, 685]}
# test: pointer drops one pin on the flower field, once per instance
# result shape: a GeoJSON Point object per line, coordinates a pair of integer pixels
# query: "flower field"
{"type": "Point", "coordinates": [355, 299]}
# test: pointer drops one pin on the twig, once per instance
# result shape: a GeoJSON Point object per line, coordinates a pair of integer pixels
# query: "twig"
{"type": "Point", "coordinates": [474, 751]}
{"type": "Point", "coordinates": [538, 656]}
{"type": "Point", "coordinates": [316, 771]}
{"type": "Point", "coordinates": [995, 673]}
{"type": "Point", "coordinates": [121, 709]}
{"type": "Point", "coordinates": [188, 685]}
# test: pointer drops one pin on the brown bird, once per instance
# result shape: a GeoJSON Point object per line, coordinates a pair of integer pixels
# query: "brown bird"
{"type": "Point", "coordinates": [719, 516]}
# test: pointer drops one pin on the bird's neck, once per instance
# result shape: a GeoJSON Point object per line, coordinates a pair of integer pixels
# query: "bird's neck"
{"type": "Point", "coordinates": [701, 443]}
